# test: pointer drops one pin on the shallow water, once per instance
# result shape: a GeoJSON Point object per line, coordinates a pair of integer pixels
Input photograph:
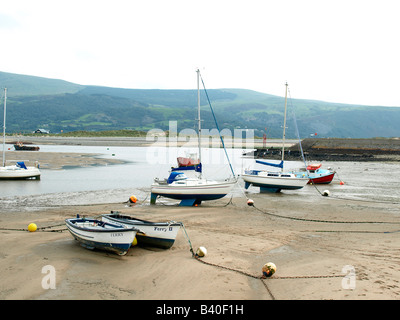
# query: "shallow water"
{"type": "Point", "coordinates": [106, 184]}
{"type": "Point", "coordinates": [372, 181]}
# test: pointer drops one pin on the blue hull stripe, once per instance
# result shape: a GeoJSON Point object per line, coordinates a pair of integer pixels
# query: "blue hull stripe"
{"type": "Point", "coordinates": [201, 197]}
{"type": "Point", "coordinates": [115, 247]}
{"type": "Point", "coordinates": [271, 186]}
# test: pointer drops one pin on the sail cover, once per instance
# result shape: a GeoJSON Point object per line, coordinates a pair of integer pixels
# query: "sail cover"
{"type": "Point", "coordinates": [175, 176]}
{"type": "Point", "coordinates": [277, 165]}
{"type": "Point", "coordinates": [21, 164]}
{"type": "Point", "coordinates": [196, 168]}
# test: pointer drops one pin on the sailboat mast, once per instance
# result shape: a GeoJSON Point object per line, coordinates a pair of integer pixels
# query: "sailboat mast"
{"type": "Point", "coordinates": [284, 126]}
{"type": "Point", "coordinates": [4, 128]}
{"type": "Point", "coordinates": [198, 115]}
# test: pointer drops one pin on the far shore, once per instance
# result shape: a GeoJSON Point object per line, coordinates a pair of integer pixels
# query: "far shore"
{"type": "Point", "coordinates": [315, 149]}
{"type": "Point", "coordinates": [59, 160]}
{"type": "Point", "coordinates": [189, 142]}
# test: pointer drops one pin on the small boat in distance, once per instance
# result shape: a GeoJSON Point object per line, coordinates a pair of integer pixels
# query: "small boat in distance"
{"type": "Point", "coordinates": [19, 170]}
{"type": "Point", "coordinates": [318, 175]}
{"type": "Point", "coordinates": [19, 146]}
{"type": "Point", "coordinates": [153, 234]}
{"type": "Point", "coordinates": [97, 234]}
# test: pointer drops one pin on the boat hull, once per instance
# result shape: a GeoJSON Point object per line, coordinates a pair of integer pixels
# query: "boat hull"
{"type": "Point", "coordinates": [318, 175]}
{"type": "Point", "coordinates": [196, 191]}
{"type": "Point", "coordinates": [18, 147]}
{"type": "Point", "coordinates": [16, 173]}
{"type": "Point", "coordinates": [273, 183]}
{"type": "Point", "coordinates": [322, 179]}
{"type": "Point", "coordinates": [152, 234]}
{"type": "Point", "coordinates": [95, 234]}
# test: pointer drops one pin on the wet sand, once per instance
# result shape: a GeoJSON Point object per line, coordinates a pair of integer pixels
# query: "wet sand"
{"type": "Point", "coordinates": [309, 255]}
{"type": "Point", "coordinates": [177, 141]}
{"type": "Point", "coordinates": [58, 160]}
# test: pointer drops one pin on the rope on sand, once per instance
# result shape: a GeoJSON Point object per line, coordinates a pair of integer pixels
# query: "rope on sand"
{"type": "Point", "coordinates": [247, 274]}
{"type": "Point", "coordinates": [43, 229]}
{"type": "Point", "coordinates": [324, 221]}
{"type": "Point", "coordinates": [263, 278]}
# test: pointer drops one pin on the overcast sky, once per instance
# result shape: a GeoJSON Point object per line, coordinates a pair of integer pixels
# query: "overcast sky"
{"type": "Point", "coordinates": [344, 51]}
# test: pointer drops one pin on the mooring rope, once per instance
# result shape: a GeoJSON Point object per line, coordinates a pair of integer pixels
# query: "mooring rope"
{"type": "Point", "coordinates": [324, 221]}
{"type": "Point", "coordinates": [247, 274]}
{"type": "Point", "coordinates": [188, 239]}
{"type": "Point", "coordinates": [42, 229]}
{"type": "Point", "coordinates": [354, 231]}
{"type": "Point", "coordinates": [237, 271]}
{"type": "Point", "coordinates": [262, 278]}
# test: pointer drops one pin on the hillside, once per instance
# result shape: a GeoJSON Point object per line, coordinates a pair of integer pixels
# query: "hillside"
{"type": "Point", "coordinates": [23, 85]}
{"type": "Point", "coordinates": [56, 105]}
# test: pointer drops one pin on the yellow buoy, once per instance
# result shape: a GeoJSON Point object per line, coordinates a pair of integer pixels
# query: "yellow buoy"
{"type": "Point", "coordinates": [201, 251]}
{"type": "Point", "coordinates": [132, 199]}
{"type": "Point", "coordinates": [268, 269]}
{"type": "Point", "coordinates": [134, 242]}
{"type": "Point", "coordinates": [32, 227]}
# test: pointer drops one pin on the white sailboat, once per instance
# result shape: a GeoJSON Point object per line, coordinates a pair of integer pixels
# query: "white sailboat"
{"type": "Point", "coordinates": [275, 181]}
{"type": "Point", "coordinates": [191, 190]}
{"type": "Point", "coordinates": [19, 170]}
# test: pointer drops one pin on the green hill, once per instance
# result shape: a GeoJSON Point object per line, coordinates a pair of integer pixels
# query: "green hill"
{"type": "Point", "coordinates": [35, 102]}
{"type": "Point", "coordinates": [23, 85]}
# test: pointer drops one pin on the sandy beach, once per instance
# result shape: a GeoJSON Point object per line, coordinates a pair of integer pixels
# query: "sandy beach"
{"type": "Point", "coordinates": [310, 256]}
{"type": "Point", "coordinates": [323, 247]}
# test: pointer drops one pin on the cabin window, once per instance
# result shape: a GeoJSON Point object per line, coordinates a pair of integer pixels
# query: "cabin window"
{"type": "Point", "coordinates": [180, 177]}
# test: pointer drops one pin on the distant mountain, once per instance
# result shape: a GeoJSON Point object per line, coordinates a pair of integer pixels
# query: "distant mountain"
{"type": "Point", "coordinates": [23, 85]}
{"type": "Point", "coordinates": [35, 102]}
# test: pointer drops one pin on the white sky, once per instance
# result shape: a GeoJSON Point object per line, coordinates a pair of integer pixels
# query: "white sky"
{"type": "Point", "coordinates": [344, 51]}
